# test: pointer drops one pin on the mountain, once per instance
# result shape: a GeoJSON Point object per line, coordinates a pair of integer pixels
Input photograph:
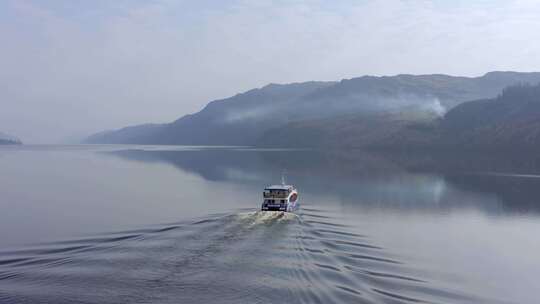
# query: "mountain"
{"type": "Point", "coordinates": [133, 134]}
{"type": "Point", "coordinates": [510, 121]}
{"type": "Point", "coordinates": [237, 120]}
{"type": "Point", "coordinates": [406, 128]}
{"type": "Point", "coordinates": [248, 118]}
{"type": "Point", "coordinates": [8, 140]}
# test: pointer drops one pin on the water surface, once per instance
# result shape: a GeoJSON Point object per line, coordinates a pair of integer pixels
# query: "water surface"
{"type": "Point", "coordinates": [147, 224]}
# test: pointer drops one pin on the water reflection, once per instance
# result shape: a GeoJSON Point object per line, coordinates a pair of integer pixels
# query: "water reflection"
{"type": "Point", "coordinates": [408, 182]}
{"type": "Point", "coordinates": [374, 227]}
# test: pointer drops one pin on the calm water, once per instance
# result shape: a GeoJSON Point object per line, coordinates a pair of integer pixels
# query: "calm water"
{"type": "Point", "coordinates": [144, 224]}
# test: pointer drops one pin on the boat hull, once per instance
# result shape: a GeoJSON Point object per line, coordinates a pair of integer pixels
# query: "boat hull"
{"type": "Point", "coordinates": [288, 207]}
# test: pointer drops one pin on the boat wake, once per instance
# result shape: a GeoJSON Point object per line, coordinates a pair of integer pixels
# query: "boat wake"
{"type": "Point", "coordinates": [243, 257]}
{"type": "Point", "coordinates": [266, 217]}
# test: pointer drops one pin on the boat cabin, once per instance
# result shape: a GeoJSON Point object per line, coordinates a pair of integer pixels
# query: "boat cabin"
{"type": "Point", "coordinates": [279, 198]}
{"type": "Point", "coordinates": [277, 191]}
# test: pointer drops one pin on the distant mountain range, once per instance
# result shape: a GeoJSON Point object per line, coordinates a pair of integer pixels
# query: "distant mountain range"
{"type": "Point", "coordinates": [510, 121]}
{"type": "Point", "coordinates": [394, 111]}
{"type": "Point", "coordinates": [9, 140]}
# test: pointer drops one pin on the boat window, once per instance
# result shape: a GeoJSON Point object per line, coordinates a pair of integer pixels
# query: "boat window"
{"type": "Point", "coordinates": [279, 193]}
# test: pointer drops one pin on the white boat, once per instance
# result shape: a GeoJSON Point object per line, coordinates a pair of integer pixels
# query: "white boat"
{"type": "Point", "coordinates": [280, 198]}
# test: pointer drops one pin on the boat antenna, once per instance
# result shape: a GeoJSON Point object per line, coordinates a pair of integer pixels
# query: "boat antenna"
{"type": "Point", "coordinates": [283, 178]}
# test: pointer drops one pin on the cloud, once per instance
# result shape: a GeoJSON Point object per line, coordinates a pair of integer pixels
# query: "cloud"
{"type": "Point", "coordinates": [75, 67]}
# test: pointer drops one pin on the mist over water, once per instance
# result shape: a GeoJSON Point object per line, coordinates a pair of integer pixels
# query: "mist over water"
{"type": "Point", "coordinates": [140, 224]}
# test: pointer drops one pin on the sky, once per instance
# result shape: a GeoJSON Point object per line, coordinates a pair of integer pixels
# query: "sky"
{"type": "Point", "coordinates": [69, 68]}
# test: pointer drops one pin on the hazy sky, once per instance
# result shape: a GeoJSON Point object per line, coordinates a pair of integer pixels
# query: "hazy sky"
{"type": "Point", "coordinates": [73, 67]}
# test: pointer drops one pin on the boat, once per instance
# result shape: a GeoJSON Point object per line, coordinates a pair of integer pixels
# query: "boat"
{"type": "Point", "coordinates": [280, 198]}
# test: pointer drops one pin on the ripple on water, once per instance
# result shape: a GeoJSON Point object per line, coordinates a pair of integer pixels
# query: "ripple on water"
{"type": "Point", "coordinates": [249, 256]}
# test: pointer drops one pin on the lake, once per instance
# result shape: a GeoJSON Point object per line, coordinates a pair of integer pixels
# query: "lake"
{"type": "Point", "coordinates": [179, 224]}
